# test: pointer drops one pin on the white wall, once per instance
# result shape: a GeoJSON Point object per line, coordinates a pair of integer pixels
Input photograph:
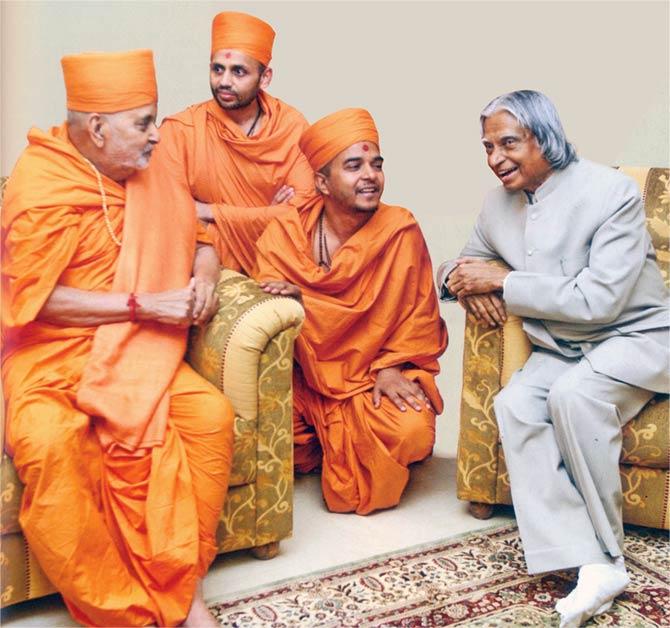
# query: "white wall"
{"type": "Point", "coordinates": [423, 69]}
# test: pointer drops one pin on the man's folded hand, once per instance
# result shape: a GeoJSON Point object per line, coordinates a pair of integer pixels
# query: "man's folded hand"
{"type": "Point", "coordinates": [487, 309]}
{"type": "Point", "coordinates": [475, 276]}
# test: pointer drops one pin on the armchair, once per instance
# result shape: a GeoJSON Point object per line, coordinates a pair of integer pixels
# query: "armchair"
{"type": "Point", "coordinates": [492, 355]}
{"type": "Point", "coordinates": [247, 351]}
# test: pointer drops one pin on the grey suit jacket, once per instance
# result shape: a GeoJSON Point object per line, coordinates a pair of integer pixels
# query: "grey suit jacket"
{"type": "Point", "coordinates": [584, 274]}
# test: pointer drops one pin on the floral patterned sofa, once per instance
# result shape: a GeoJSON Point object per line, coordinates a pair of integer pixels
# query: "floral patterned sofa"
{"type": "Point", "coordinates": [491, 356]}
{"type": "Point", "coordinates": [247, 351]}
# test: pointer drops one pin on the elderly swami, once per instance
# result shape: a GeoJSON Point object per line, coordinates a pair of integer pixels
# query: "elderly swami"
{"type": "Point", "coordinates": [123, 449]}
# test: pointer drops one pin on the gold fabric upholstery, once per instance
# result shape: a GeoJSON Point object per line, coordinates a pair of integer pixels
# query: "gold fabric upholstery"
{"type": "Point", "coordinates": [247, 351]}
{"type": "Point", "coordinates": [491, 356]}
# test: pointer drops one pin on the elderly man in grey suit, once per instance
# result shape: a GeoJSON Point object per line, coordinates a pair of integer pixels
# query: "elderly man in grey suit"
{"type": "Point", "coordinates": [585, 280]}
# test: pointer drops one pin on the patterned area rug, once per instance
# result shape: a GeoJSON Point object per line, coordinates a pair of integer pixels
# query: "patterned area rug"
{"type": "Point", "coordinates": [474, 580]}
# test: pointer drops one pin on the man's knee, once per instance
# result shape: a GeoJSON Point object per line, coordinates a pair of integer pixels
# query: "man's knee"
{"type": "Point", "coordinates": [564, 394]}
{"type": "Point", "coordinates": [215, 413]}
{"type": "Point", "coordinates": [44, 437]}
{"type": "Point", "coordinates": [504, 402]}
{"type": "Point", "coordinates": [197, 407]}
{"type": "Point", "coordinates": [521, 413]}
{"type": "Point", "coordinates": [507, 406]}
{"type": "Point", "coordinates": [419, 430]}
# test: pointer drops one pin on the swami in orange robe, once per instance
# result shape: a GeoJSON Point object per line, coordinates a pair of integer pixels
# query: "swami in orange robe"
{"type": "Point", "coordinates": [124, 451]}
{"type": "Point", "coordinates": [208, 151]}
{"type": "Point", "coordinates": [374, 308]}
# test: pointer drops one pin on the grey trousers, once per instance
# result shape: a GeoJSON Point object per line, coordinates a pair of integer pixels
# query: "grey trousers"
{"type": "Point", "coordinates": [560, 426]}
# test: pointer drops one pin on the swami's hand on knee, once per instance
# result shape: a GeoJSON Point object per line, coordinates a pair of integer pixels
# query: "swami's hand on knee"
{"type": "Point", "coordinates": [401, 391]}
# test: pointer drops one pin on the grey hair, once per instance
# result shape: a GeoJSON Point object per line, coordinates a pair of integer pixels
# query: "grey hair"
{"type": "Point", "coordinates": [535, 112]}
{"type": "Point", "coordinates": [75, 118]}
{"type": "Point", "coordinates": [80, 118]}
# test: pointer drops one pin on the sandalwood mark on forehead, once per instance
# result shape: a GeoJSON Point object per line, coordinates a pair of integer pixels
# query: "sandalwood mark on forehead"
{"type": "Point", "coordinates": [366, 147]}
{"type": "Point", "coordinates": [228, 55]}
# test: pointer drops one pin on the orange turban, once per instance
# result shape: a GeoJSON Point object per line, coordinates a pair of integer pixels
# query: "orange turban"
{"type": "Point", "coordinates": [107, 82]}
{"type": "Point", "coordinates": [246, 33]}
{"type": "Point", "coordinates": [328, 137]}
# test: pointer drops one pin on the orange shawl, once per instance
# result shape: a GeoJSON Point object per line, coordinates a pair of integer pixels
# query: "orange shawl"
{"type": "Point", "coordinates": [131, 366]}
{"type": "Point", "coordinates": [210, 155]}
{"type": "Point", "coordinates": [376, 307]}
{"type": "Point", "coordinates": [57, 190]}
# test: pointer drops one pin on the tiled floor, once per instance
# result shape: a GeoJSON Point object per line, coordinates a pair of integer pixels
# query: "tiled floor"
{"type": "Point", "coordinates": [429, 511]}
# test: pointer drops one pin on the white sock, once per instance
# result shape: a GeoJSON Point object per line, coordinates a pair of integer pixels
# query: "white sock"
{"type": "Point", "coordinates": [620, 564]}
{"type": "Point", "coordinates": [597, 586]}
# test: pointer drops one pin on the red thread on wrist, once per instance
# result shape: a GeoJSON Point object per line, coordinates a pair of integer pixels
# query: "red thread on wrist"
{"type": "Point", "coordinates": [133, 305]}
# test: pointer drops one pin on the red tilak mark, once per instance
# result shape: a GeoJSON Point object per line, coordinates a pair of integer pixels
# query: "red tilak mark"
{"type": "Point", "coordinates": [366, 147]}
{"type": "Point", "coordinates": [228, 55]}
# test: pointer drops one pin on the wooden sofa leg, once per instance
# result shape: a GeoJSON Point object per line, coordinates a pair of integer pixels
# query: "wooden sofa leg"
{"type": "Point", "coordinates": [265, 552]}
{"type": "Point", "coordinates": [480, 511]}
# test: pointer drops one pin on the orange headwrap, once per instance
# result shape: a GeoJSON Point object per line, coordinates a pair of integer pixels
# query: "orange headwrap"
{"type": "Point", "coordinates": [328, 137]}
{"type": "Point", "coordinates": [243, 32]}
{"type": "Point", "coordinates": [107, 82]}
{"type": "Point", "coordinates": [246, 33]}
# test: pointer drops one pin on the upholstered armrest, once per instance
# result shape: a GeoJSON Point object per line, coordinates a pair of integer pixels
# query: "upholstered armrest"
{"type": "Point", "coordinates": [231, 352]}
{"type": "Point", "coordinates": [3, 185]}
{"type": "Point", "coordinates": [490, 356]}
{"type": "Point", "coordinates": [227, 350]}
{"type": "Point", "coordinates": [2, 421]}
{"type": "Point", "coordinates": [247, 352]}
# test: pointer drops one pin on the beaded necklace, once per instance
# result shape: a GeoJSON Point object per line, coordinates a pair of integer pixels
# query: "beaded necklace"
{"type": "Point", "coordinates": [325, 260]}
{"type": "Point", "coordinates": [258, 116]}
{"type": "Point", "coordinates": [105, 210]}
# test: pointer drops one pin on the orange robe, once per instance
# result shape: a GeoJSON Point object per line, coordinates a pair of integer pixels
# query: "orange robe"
{"type": "Point", "coordinates": [113, 527]}
{"type": "Point", "coordinates": [375, 308]}
{"type": "Point", "coordinates": [210, 154]}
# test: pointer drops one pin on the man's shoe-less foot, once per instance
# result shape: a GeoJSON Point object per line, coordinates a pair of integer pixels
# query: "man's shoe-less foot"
{"type": "Point", "coordinates": [563, 603]}
{"type": "Point", "coordinates": [597, 586]}
{"type": "Point", "coordinates": [199, 615]}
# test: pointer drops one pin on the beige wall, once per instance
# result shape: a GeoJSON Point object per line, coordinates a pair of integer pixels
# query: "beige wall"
{"type": "Point", "coordinates": [424, 70]}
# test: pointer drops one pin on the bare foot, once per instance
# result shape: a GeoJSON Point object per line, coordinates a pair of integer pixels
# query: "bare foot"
{"type": "Point", "coordinates": [199, 615]}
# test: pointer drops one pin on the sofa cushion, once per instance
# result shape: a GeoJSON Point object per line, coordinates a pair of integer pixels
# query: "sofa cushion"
{"type": "Point", "coordinates": [654, 183]}
{"type": "Point", "coordinates": [21, 575]}
{"type": "Point", "coordinates": [11, 490]}
{"type": "Point", "coordinates": [645, 438]}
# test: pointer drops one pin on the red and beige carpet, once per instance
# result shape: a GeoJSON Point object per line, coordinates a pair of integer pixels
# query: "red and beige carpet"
{"type": "Point", "coordinates": [474, 580]}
